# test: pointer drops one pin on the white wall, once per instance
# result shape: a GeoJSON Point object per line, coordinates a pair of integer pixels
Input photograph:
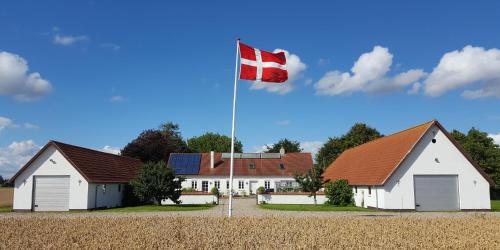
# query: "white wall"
{"type": "Point", "coordinates": [108, 195]}
{"type": "Point", "coordinates": [23, 185]}
{"type": "Point", "coordinates": [473, 188]}
{"type": "Point", "coordinates": [193, 199]}
{"type": "Point", "coordinates": [258, 180]}
{"type": "Point", "coordinates": [290, 199]}
{"type": "Point", "coordinates": [363, 198]}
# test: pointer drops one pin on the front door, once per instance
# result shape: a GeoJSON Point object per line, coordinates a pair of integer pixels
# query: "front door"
{"type": "Point", "coordinates": [253, 187]}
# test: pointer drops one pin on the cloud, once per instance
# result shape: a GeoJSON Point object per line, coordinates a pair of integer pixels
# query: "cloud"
{"type": "Point", "coordinates": [368, 74]}
{"type": "Point", "coordinates": [117, 98]}
{"type": "Point", "coordinates": [295, 68]}
{"type": "Point", "coordinates": [311, 147]}
{"type": "Point", "coordinates": [414, 89]}
{"type": "Point", "coordinates": [470, 66]}
{"type": "Point", "coordinates": [111, 46]}
{"type": "Point", "coordinates": [30, 125]}
{"type": "Point", "coordinates": [308, 81]}
{"type": "Point", "coordinates": [283, 123]}
{"type": "Point", "coordinates": [111, 150]}
{"type": "Point", "coordinates": [496, 138]}
{"type": "Point", "coordinates": [6, 123]}
{"type": "Point", "coordinates": [69, 40]}
{"type": "Point", "coordinates": [15, 80]}
{"type": "Point", "coordinates": [323, 62]}
{"type": "Point", "coordinates": [14, 156]}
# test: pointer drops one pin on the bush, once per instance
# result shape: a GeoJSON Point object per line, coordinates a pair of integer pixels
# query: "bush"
{"type": "Point", "coordinates": [129, 198]}
{"type": "Point", "coordinates": [215, 191]}
{"type": "Point", "coordinates": [188, 190]}
{"type": "Point", "coordinates": [261, 190]}
{"type": "Point", "coordinates": [339, 193]}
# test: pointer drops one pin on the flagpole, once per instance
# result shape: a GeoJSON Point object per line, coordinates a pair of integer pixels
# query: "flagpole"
{"type": "Point", "coordinates": [230, 212]}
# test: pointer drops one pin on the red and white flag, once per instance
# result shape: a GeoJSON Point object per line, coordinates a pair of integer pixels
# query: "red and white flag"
{"type": "Point", "coordinates": [259, 65]}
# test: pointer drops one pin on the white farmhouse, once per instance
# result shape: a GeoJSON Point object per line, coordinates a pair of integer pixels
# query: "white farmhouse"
{"type": "Point", "coordinates": [62, 177]}
{"type": "Point", "coordinates": [422, 168]}
{"type": "Point", "coordinates": [273, 171]}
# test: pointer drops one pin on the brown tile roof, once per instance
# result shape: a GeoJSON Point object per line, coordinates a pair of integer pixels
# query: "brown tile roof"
{"type": "Point", "coordinates": [295, 163]}
{"type": "Point", "coordinates": [95, 166]}
{"type": "Point", "coordinates": [374, 162]}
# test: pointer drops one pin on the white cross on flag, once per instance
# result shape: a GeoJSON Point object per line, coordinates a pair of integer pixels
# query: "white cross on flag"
{"type": "Point", "coordinates": [259, 65]}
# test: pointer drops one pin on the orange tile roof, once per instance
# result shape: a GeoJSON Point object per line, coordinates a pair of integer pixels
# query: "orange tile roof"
{"type": "Point", "coordinates": [295, 163]}
{"type": "Point", "coordinates": [374, 162]}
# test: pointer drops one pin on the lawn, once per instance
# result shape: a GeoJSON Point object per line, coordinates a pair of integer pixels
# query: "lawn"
{"type": "Point", "coordinates": [313, 208]}
{"type": "Point", "coordinates": [495, 205]}
{"type": "Point", "coordinates": [155, 208]}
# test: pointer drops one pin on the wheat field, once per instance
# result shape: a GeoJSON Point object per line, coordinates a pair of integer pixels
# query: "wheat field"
{"type": "Point", "coordinates": [478, 232]}
{"type": "Point", "coordinates": [6, 196]}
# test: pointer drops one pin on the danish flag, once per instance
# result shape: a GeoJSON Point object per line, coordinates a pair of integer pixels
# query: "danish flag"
{"type": "Point", "coordinates": [259, 65]}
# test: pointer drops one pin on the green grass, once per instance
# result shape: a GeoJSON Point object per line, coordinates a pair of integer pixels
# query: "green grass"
{"type": "Point", "coordinates": [156, 208]}
{"type": "Point", "coordinates": [5, 209]}
{"type": "Point", "coordinates": [495, 205]}
{"type": "Point", "coordinates": [321, 208]}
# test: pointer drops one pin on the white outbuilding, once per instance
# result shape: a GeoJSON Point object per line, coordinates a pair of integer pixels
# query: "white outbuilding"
{"type": "Point", "coordinates": [63, 177]}
{"type": "Point", "coordinates": [422, 168]}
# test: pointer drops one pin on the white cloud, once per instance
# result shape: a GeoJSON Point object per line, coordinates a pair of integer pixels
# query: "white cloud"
{"type": "Point", "coordinates": [14, 156]}
{"type": "Point", "coordinates": [414, 89]}
{"type": "Point", "coordinates": [283, 123]}
{"type": "Point", "coordinates": [470, 66]}
{"type": "Point", "coordinates": [111, 46]}
{"type": "Point", "coordinates": [368, 74]}
{"type": "Point", "coordinates": [311, 147]}
{"type": "Point", "coordinates": [6, 123]}
{"type": "Point", "coordinates": [260, 149]}
{"type": "Point", "coordinates": [308, 81]}
{"type": "Point", "coordinates": [111, 150]}
{"type": "Point", "coordinates": [117, 98]}
{"type": "Point", "coordinates": [69, 40]}
{"type": "Point", "coordinates": [496, 138]}
{"type": "Point", "coordinates": [15, 80]}
{"type": "Point", "coordinates": [295, 68]}
{"type": "Point", "coordinates": [29, 125]}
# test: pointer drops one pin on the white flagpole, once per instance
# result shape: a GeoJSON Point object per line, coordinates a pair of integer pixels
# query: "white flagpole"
{"type": "Point", "coordinates": [230, 212]}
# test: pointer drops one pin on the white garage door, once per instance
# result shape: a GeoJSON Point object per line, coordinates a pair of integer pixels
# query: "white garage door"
{"type": "Point", "coordinates": [51, 193]}
{"type": "Point", "coordinates": [436, 192]}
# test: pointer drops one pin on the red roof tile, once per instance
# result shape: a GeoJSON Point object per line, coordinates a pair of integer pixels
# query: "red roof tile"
{"type": "Point", "coordinates": [95, 166]}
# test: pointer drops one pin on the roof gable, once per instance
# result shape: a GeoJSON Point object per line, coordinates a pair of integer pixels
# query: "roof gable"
{"type": "Point", "coordinates": [93, 165]}
{"type": "Point", "coordinates": [374, 162]}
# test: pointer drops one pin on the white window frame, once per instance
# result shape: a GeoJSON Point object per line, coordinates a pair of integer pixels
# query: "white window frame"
{"type": "Point", "coordinates": [203, 185]}
{"type": "Point", "coordinates": [267, 185]}
{"type": "Point", "coordinates": [217, 184]}
{"type": "Point", "coordinates": [241, 184]}
{"type": "Point", "coordinates": [194, 185]}
{"type": "Point", "coordinates": [227, 185]}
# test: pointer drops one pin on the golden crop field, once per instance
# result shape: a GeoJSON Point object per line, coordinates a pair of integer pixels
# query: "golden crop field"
{"type": "Point", "coordinates": [6, 196]}
{"type": "Point", "coordinates": [478, 232]}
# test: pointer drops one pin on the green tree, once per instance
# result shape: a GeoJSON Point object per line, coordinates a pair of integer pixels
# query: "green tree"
{"type": "Point", "coordinates": [482, 149]}
{"type": "Point", "coordinates": [156, 144]}
{"type": "Point", "coordinates": [359, 134]}
{"type": "Point", "coordinates": [213, 142]}
{"type": "Point", "coordinates": [311, 182]}
{"type": "Point", "coordinates": [339, 193]}
{"type": "Point", "coordinates": [2, 181]}
{"type": "Point", "coordinates": [288, 145]}
{"type": "Point", "coordinates": [155, 181]}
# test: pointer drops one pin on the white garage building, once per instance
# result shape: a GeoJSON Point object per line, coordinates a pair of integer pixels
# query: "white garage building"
{"type": "Point", "coordinates": [422, 168]}
{"type": "Point", "coordinates": [62, 177]}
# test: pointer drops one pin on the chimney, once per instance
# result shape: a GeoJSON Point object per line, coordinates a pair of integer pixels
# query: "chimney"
{"type": "Point", "coordinates": [282, 151]}
{"type": "Point", "coordinates": [212, 160]}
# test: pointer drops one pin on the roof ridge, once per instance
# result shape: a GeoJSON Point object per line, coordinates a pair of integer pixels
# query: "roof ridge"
{"type": "Point", "coordinates": [94, 150]}
{"type": "Point", "coordinates": [399, 132]}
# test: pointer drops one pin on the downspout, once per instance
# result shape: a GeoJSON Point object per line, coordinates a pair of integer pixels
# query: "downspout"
{"type": "Point", "coordinates": [376, 197]}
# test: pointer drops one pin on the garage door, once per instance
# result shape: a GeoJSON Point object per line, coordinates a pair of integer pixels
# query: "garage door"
{"type": "Point", "coordinates": [436, 192]}
{"type": "Point", "coordinates": [51, 193]}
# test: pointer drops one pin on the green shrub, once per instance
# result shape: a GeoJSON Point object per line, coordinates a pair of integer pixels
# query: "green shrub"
{"type": "Point", "coordinates": [129, 198]}
{"type": "Point", "coordinates": [188, 190]}
{"type": "Point", "coordinates": [339, 193]}
{"type": "Point", "coordinates": [215, 191]}
{"type": "Point", "coordinates": [261, 190]}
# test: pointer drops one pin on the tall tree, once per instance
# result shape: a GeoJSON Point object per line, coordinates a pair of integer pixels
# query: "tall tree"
{"type": "Point", "coordinates": [157, 182]}
{"type": "Point", "coordinates": [213, 142]}
{"type": "Point", "coordinates": [358, 134]}
{"type": "Point", "coordinates": [288, 145]}
{"type": "Point", "coordinates": [156, 144]}
{"type": "Point", "coordinates": [311, 182]}
{"type": "Point", "coordinates": [482, 150]}
{"type": "Point", "coordinates": [2, 181]}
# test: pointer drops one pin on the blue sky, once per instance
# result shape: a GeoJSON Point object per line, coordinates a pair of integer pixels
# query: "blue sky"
{"type": "Point", "coordinates": [97, 73]}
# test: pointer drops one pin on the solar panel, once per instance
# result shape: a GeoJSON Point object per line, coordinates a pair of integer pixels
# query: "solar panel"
{"type": "Point", "coordinates": [270, 156]}
{"type": "Point", "coordinates": [185, 163]}
{"type": "Point", "coordinates": [228, 155]}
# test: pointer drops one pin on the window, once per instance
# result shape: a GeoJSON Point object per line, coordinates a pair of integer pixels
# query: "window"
{"type": "Point", "coordinates": [282, 166]}
{"type": "Point", "coordinates": [119, 187]}
{"type": "Point", "coordinates": [194, 185]}
{"type": "Point", "coordinates": [251, 165]}
{"type": "Point", "coordinates": [241, 185]}
{"type": "Point", "coordinates": [369, 190]}
{"type": "Point", "coordinates": [356, 189]}
{"type": "Point", "coordinates": [267, 185]}
{"type": "Point", "coordinates": [227, 185]}
{"type": "Point", "coordinates": [217, 184]}
{"type": "Point", "coordinates": [204, 186]}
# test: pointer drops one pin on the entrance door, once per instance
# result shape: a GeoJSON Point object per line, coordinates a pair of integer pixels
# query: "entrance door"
{"type": "Point", "coordinates": [436, 192]}
{"type": "Point", "coordinates": [253, 187]}
{"type": "Point", "coordinates": [51, 193]}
